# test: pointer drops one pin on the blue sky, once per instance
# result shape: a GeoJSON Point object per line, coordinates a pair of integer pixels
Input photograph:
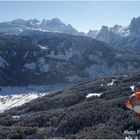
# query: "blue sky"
{"type": "Point", "coordinates": [82, 15]}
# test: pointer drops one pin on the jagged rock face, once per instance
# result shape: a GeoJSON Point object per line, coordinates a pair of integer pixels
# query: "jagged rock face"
{"type": "Point", "coordinates": [135, 27]}
{"type": "Point", "coordinates": [122, 38]}
{"type": "Point", "coordinates": [47, 58]}
{"type": "Point", "coordinates": [92, 33]}
{"type": "Point", "coordinates": [55, 25]}
{"type": "Point", "coordinates": [104, 34]}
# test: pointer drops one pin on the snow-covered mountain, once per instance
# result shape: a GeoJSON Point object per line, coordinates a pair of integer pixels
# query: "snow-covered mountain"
{"type": "Point", "coordinates": [37, 57]}
{"type": "Point", "coordinates": [124, 38]}
{"type": "Point", "coordinates": [54, 25]}
{"type": "Point", "coordinates": [92, 33]}
{"type": "Point", "coordinates": [42, 53]}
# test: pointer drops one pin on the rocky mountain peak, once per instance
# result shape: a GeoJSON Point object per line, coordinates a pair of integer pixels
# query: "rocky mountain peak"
{"type": "Point", "coordinates": [115, 28]}
{"type": "Point", "coordinates": [44, 21]}
{"type": "Point", "coordinates": [56, 20]}
{"type": "Point", "coordinates": [104, 28]}
{"type": "Point", "coordinates": [56, 23]}
{"type": "Point", "coordinates": [135, 27]}
{"type": "Point", "coordinates": [135, 21]}
{"type": "Point", "coordinates": [104, 34]}
{"type": "Point", "coordinates": [34, 21]}
{"type": "Point", "coordinates": [92, 33]}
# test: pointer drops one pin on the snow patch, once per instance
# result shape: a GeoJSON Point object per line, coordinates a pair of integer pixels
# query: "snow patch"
{"type": "Point", "coordinates": [10, 101]}
{"type": "Point", "coordinates": [15, 117]}
{"type": "Point", "coordinates": [124, 31]}
{"type": "Point", "coordinates": [102, 84]}
{"type": "Point", "coordinates": [19, 29]}
{"type": "Point", "coordinates": [125, 75]}
{"type": "Point", "coordinates": [27, 114]}
{"type": "Point", "coordinates": [42, 30]}
{"type": "Point", "coordinates": [132, 87]}
{"type": "Point", "coordinates": [43, 47]}
{"type": "Point", "coordinates": [111, 83]}
{"type": "Point", "coordinates": [93, 95]}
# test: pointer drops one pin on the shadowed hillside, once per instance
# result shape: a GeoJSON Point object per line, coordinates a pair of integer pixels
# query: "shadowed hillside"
{"type": "Point", "coordinates": [48, 58]}
{"type": "Point", "coordinates": [90, 110]}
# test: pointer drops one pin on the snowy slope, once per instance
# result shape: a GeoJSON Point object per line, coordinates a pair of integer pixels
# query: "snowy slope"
{"type": "Point", "coordinates": [18, 26]}
{"type": "Point", "coordinates": [9, 101]}
{"type": "Point", "coordinates": [16, 96]}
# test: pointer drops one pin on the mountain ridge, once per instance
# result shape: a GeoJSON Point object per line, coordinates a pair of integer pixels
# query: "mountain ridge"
{"type": "Point", "coordinates": [41, 56]}
{"type": "Point", "coordinates": [123, 38]}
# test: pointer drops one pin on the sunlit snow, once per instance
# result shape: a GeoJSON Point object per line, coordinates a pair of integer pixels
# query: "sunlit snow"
{"type": "Point", "coordinates": [17, 96]}
{"type": "Point", "coordinates": [43, 47]}
{"type": "Point", "coordinates": [9, 101]}
{"type": "Point", "coordinates": [93, 94]}
{"type": "Point", "coordinates": [132, 87]}
{"type": "Point", "coordinates": [111, 83]}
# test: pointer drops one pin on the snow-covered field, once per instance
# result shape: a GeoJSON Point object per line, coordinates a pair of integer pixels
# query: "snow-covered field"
{"type": "Point", "coordinates": [17, 96]}
{"type": "Point", "coordinates": [9, 101]}
{"type": "Point", "coordinates": [93, 95]}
